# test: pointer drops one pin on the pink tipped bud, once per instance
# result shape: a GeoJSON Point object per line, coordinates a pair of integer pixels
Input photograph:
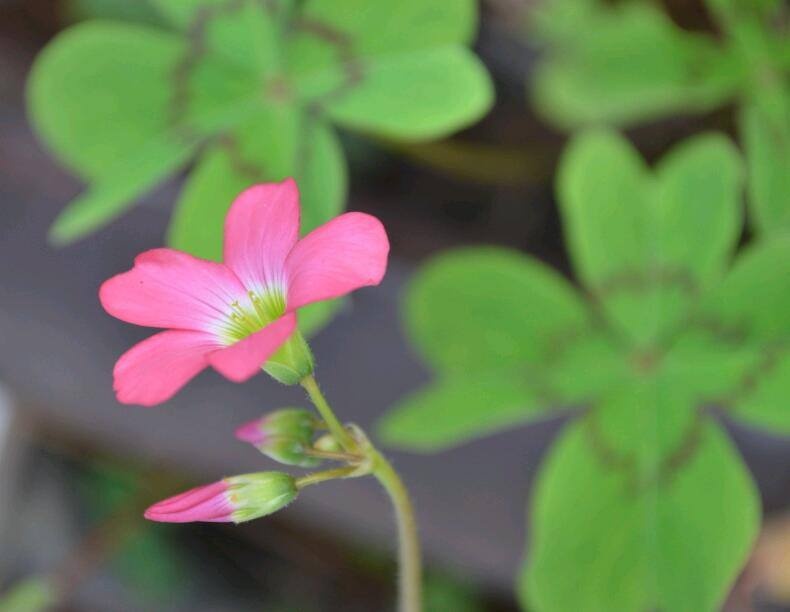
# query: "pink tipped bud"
{"type": "Point", "coordinates": [284, 435]}
{"type": "Point", "coordinates": [231, 500]}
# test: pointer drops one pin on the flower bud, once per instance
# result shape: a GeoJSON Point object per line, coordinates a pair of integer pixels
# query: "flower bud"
{"type": "Point", "coordinates": [284, 435]}
{"type": "Point", "coordinates": [292, 362]}
{"type": "Point", "coordinates": [235, 499]}
{"type": "Point", "coordinates": [328, 443]}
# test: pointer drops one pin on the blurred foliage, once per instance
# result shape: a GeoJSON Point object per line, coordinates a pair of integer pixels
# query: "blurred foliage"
{"type": "Point", "coordinates": [143, 554]}
{"type": "Point", "coordinates": [31, 595]}
{"type": "Point", "coordinates": [643, 502]}
{"type": "Point", "coordinates": [628, 62]}
{"type": "Point", "coordinates": [252, 90]}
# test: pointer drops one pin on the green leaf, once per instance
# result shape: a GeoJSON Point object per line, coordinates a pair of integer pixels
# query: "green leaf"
{"type": "Point", "coordinates": [599, 543]}
{"type": "Point", "coordinates": [31, 595]}
{"type": "Point", "coordinates": [752, 303]}
{"type": "Point", "coordinates": [401, 70]}
{"type": "Point", "coordinates": [117, 190]}
{"type": "Point", "coordinates": [100, 96]}
{"type": "Point", "coordinates": [646, 245]}
{"type": "Point", "coordinates": [455, 410]}
{"type": "Point", "coordinates": [699, 214]}
{"type": "Point", "coordinates": [295, 146]}
{"type": "Point", "coordinates": [762, 398]}
{"type": "Point", "coordinates": [417, 96]}
{"type": "Point", "coordinates": [489, 309]}
{"type": "Point", "coordinates": [708, 367]}
{"type": "Point", "coordinates": [767, 144]}
{"type": "Point", "coordinates": [99, 92]}
{"type": "Point", "coordinates": [245, 32]}
{"type": "Point", "coordinates": [627, 64]}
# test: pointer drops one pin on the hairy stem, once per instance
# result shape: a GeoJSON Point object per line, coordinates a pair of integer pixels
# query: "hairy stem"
{"type": "Point", "coordinates": [409, 560]}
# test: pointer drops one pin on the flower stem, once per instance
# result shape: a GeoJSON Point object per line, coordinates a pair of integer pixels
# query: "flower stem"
{"type": "Point", "coordinates": [335, 427]}
{"type": "Point", "coordinates": [410, 577]}
{"type": "Point", "coordinates": [409, 560]}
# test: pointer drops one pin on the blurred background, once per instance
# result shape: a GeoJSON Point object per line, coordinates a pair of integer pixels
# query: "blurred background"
{"type": "Point", "coordinates": [77, 468]}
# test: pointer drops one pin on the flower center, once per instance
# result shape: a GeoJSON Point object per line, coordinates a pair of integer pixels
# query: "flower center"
{"type": "Point", "coordinates": [249, 317]}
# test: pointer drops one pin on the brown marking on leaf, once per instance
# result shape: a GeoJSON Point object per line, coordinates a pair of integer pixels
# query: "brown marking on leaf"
{"type": "Point", "coordinates": [643, 280]}
{"type": "Point", "coordinates": [352, 66]}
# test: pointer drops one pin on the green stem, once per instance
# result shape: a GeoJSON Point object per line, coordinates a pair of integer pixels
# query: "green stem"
{"type": "Point", "coordinates": [409, 561]}
{"type": "Point", "coordinates": [317, 477]}
{"type": "Point", "coordinates": [410, 577]}
{"type": "Point", "coordinates": [335, 427]}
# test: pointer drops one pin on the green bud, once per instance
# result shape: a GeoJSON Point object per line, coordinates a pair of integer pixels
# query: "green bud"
{"type": "Point", "coordinates": [328, 443]}
{"type": "Point", "coordinates": [292, 362]}
{"type": "Point", "coordinates": [255, 495]}
{"type": "Point", "coordinates": [284, 435]}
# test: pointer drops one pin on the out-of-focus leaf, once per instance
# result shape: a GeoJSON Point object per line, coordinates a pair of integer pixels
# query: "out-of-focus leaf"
{"type": "Point", "coordinates": [245, 32]}
{"type": "Point", "coordinates": [699, 214]}
{"type": "Point", "coordinates": [31, 595]}
{"type": "Point", "coordinates": [296, 146]}
{"type": "Point", "coordinates": [709, 367]}
{"type": "Point", "coordinates": [646, 245]}
{"type": "Point", "coordinates": [415, 97]}
{"type": "Point", "coordinates": [99, 93]}
{"type": "Point", "coordinates": [443, 594]}
{"type": "Point", "coordinates": [400, 70]}
{"type": "Point", "coordinates": [767, 145]}
{"type": "Point", "coordinates": [752, 303]}
{"type": "Point", "coordinates": [111, 195]}
{"type": "Point", "coordinates": [606, 538]}
{"type": "Point", "coordinates": [762, 398]}
{"type": "Point", "coordinates": [455, 410]}
{"type": "Point", "coordinates": [150, 563]}
{"type": "Point", "coordinates": [480, 309]}
{"type": "Point", "coordinates": [626, 64]}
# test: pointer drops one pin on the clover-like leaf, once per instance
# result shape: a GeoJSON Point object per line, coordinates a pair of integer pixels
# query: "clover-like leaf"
{"type": "Point", "coordinates": [767, 144]}
{"type": "Point", "coordinates": [391, 70]}
{"type": "Point", "coordinates": [99, 92]}
{"type": "Point", "coordinates": [299, 146]}
{"type": "Point", "coordinates": [761, 397]}
{"type": "Point", "coordinates": [626, 64]}
{"type": "Point", "coordinates": [605, 537]}
{"type": "Point", "coordinates": [480, 309]}
{"type": "Point", "coordinates": [454, 410]}
{"type": "Point", "coordinates": [752, 303]}
{"type": "Point", "coordinates": [646, 244]}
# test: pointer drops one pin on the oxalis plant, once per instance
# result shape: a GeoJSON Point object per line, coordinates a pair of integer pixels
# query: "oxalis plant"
{"type": "Point", "coordinates": [643, 502]}
{"type": "Point", "coordinates": [239, 316]}
{"type": "Point", "coordinates": [251, 90]}
{"type": "Point", "coordinates": [626, 63]}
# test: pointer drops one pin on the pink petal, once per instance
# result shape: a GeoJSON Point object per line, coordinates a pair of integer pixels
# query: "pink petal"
{"type": "Point", "coordinates": [241, 360]}
{"type": "Point", "coordinates": [261, 228]}
{"type": "Point", "coordinates": [208, 503]}
{"type": "Point", "coordinates": [153, 370]}
{"type": "Point", "coordinates": [345, 254]}
{"type": "Point", "coordinates": [171, 289]}
{"type": "Point", "coordinates": [251, 432]}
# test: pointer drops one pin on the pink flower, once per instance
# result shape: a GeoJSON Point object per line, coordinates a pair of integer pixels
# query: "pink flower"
{"type": "Point", "coordinates": [231, 500]}
{"type": "Point", "coordinates": [234, 315]}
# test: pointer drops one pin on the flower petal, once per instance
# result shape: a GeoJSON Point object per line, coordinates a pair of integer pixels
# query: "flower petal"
{"type": "Point", "coordinates": [168, 288]}
{"type": "Point", "coordinates": [153, 370]}
{"type": "Point", "coordinates": [241, 360]}
{"type": "Point", "coordinates": [208, 503]}
{"type": "Point", "coordinates": [261, 228]}
{"type": "Point", "coordinates": [345, 254]}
